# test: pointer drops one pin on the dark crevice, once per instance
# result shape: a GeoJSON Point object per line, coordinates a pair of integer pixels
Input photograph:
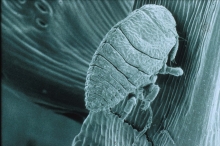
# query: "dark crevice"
{"type": "Point", "coordinates": [41, 23]}
{"type": "Point", "coordinates": [125, 121]}
{"type": "Point", "coordinates": [41, 7]}
{"type": "Point", "coordinates": [108, 81]}
{"type": "Point", "coordinates": [119, 83]}
{"type": "Point", "coordinates": [133, 126]}
{"type": "Point", "coordinates": [110, 75]}
{"type": "Point", "coordinates": [78, 117]}
{"type": "Point", "coordinates": [149, 139]}
{"type": "Point", "coordinates": [101, 95]}
{"type": "Point", "coordinates": [125, 60]}
{"type": "Point", "coordinates": [117, 69]}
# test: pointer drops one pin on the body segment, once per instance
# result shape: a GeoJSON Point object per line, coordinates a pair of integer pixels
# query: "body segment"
{"type": "Point", "coordinates": [130, 56]}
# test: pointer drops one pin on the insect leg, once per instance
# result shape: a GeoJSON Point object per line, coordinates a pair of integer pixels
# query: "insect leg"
{"type": "Point", "coordinates": [129, 106]}
{"type": "Point", "coordinates": [150, 94]}
{"type": "Point", "coordinates": [175, 71]}
{"type": "Point", "coordinates": [153, 78]}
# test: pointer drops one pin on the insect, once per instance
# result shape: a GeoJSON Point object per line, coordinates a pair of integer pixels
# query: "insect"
{"type": "Point", "coordinates": [129, 58]}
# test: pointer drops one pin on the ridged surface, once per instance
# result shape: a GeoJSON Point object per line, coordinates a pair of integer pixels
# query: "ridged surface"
{"type": "Point", "coordinates": [143, 61]}
{"type": "Point", "coordinates": [136, 48]}
{"type": "Point", "coordinates": [47, 46]}
{"type": "Point", "coordinates": [107, 129]}
{"type": "Point", "coordinates": [188, 107]}
{"type": "Point", "coordinates": [137, 118]}
{"type": "Point", "coordinates": [186, 110]}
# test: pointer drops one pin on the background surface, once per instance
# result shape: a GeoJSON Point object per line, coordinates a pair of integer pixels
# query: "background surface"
{"type": "Point", "coordinates": [46, 49]}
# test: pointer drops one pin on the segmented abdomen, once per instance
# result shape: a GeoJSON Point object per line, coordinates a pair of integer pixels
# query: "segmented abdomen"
{"type": "Point", "coordinates": [131, 52]}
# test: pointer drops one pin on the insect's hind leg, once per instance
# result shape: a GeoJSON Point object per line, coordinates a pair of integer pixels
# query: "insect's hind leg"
{"type": "Point", "coordinates": [128, 107]}
{"type": "Point", "coordinates": [175, 71]}
{"type": "Point", "coordinates": [150, 93]}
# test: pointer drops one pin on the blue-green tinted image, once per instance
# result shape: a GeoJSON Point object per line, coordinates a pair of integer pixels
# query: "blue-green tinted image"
{"type": "Point", "coordinates": [110, 73]}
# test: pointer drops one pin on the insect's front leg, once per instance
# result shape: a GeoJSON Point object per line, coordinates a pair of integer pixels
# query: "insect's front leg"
{"type": "Point", "coordinates": [150, 93]}
{"type": "Point", "coordinates": [175, 71]}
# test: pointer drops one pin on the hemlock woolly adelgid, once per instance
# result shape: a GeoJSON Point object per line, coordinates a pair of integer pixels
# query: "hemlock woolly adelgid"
{"type": "Point", "coordinates": [128, 60]}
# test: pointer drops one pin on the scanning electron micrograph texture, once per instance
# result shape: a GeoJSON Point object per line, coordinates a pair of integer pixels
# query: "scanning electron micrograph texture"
{"type": "Point", "coordinates": [130, 56]}
{"type": "Point", "coordinates": [106, 129]}
{"type": "Point", "coordinates": [48, 45]}
{"type": "Point", "coordinates": [126, 64]}
{"type": "Point", "coordinates": [162, 132]}
{"type": "Point", "coordinates": [46, 50]}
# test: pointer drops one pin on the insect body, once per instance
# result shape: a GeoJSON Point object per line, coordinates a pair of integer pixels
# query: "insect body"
{"type": "Point", "coordinates": [129, 58]}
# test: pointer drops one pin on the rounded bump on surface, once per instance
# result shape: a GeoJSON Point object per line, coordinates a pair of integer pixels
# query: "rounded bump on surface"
{"type": "Point", "coordinates": [60, 2]}
{"type": "Point", "coordinates": [153, 78]}
{"type": "Point", "coordinates": [161, 13]}
{"type": "Point", "coordinates": [41, 23]}
{"type": "Point", "coordinates": [179, 71]}
{"type": "Point", "coordinates": [40, 7]}
{"type": "Point", "coordinates": [43, 7]}
{"type": "Point", "coordinates": [22, 1]}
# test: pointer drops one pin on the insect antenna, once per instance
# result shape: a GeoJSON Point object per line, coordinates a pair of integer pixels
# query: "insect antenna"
{"type": "Point", "coordinates": [182, 39]}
